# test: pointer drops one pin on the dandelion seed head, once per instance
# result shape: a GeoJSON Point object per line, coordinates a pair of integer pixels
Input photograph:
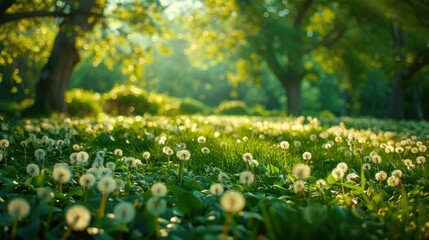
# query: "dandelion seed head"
{"type": "Point", "coordinates": [167, 151]}
{"type": "Point", "coordinates": [146, 155]}
{"type": "Point", "coordinates": [232, 201]}
{"type": "Point", "coordinates": [397, 173]}
{"type": "Point", "coordinates": [124, 212]}
{"type": "Point", "coordinates": [301, 171]}
{"type": "Point", "coordinates": [106, 184]}
{"type": "Point", "coordinates": [307, 156]}
{"type": "Point", "coordinates": [78, 217]}
{"type": "Point", "coordinates": [223, 177]}
{"type": "Point", "coordinates": [247, 157]}
{"type": "Point", "coordinates": [40, 154]}
{"type": "Point", "coordinates": [376, 159]}
{"type": "Point", "coordinates": [381, 176]}
{"type": "Point", "coordinates": [393, 181]}
{"type": "Point", "coordinates": [118, 152]}
{"type": "Point", "coordinates": [343, 166]}
{"type": "Point", "coordinates": [156, 206]}
{"type": "Point", "coordinates": [4, 143]}
{"type": "Point", "coordinates": [366, 166]}
{"type": "Point", "coordinates": [183, 155]}
{"type": "Point", "coordinates": [201, 139]}
{"type": "Point", "coordinates": [284, 145]}
{"type": "Point", "coordinates": [159, 189]}
{"type": "Point", "coordinates": [299, 186]}
{"type": "Point", "coordinates": [61, 174]}
{"type": "Point", "coordinates": [18, 208]}
{"type": "Point", "coordinates": [216, 189]}
{"type": "Point", "coordinates": [32, 169]}
{"type": "Point", "coordinates": [111, 166]}
{"type": "Point", "coordinates": [205, 150]}
{"type": "Point", "coordinates": [420, 160]}
{"type": "Point", "coordinates": [247, 177]}
{"type": "Point", "coordinates": [337, 173]}
{"type": "Point", "coordinates": [87, 180]}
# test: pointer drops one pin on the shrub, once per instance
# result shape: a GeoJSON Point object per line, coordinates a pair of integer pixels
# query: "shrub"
{"type": "Point", "coordinates": [234, 107]}
{"type": "Point", "coordinates": [83, 103]}
{"type": "Point", "coordinates": [128, 99]}
{"type": "Point", "coordinates": [192, 106]}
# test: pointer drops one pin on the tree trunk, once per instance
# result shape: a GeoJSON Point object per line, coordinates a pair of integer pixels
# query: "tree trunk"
{"type": "Point", "coordinates": [396, 99]}
{"type": "Point", "coordinates": [293, 94]}
{"type": "Point", "coordinates": [55, 75]}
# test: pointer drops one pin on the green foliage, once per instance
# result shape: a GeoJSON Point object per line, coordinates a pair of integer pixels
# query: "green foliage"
{"type": "Point", "coordinates": [13, 108]}
{"type": "Point", "coordinates": [193, 106]}
{"type": "Point", "coordinates": [128, 99]}
{"type": "Point", "coordinates": [234, 107]}
{"type": "Point", "coordinates": [82, 103]}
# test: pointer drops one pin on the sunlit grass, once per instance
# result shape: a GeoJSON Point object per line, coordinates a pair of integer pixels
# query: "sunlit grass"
{"type": "Point", "coordinates": [346, 178]}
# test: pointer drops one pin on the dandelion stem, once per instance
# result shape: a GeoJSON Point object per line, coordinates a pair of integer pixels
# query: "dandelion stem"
{"type": "Point", "coordinates": [225, 230]}
{"type": "Point", "coordinates": [181, 167]}
{"type": "Point", "coordinates": [14, 228]}
{"type": "Point", "coordinates": [51, 212]}
{"type": "Point", "coordinates": [100, 212]}
{"type": "Point", "coordinates": [66, 234]}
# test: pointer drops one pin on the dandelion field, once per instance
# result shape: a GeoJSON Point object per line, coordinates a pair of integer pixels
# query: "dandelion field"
{"type": "Point", "coordinates": [195, 177]}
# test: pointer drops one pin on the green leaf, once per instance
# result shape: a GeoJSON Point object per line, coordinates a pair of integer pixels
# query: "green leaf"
{"type": "Point", "coordinates": [273, 169]}
{"type": "Point", "coordinates": [187, 202]}
{"type": "Point", "coordinates": [251, 215]}
{"type": "Point", "coordinates": [331, 180]}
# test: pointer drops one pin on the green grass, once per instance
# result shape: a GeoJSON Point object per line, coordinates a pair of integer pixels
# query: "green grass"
{"type": "Point", "coordinates": [362, 208]}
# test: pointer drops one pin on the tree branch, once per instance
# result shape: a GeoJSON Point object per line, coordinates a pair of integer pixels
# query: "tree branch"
{"type": "Point", "coordinates": [302, 12]}
{"type": "Point", "coordinates": [421, 60]}
{"type": "Point", "coordinates": [5, 5]}
{"type": "Point", "coordinates": [22, 15]}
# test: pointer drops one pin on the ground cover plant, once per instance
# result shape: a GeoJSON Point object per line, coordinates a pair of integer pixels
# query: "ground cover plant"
{"type": "Point", "coordinates": [211, 177]}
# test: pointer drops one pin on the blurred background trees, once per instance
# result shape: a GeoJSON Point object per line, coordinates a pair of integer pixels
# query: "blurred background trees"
{"type": "Point", "coordinates": [355, 58]}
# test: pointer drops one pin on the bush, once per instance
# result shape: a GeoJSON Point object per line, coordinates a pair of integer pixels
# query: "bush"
{"type": "Point", "coordinates": [83, 103]}
{"type": "Point", "coordinates": [127, 100]}
{"type": "Point", "coordinates": [193, 106]}
{"type": "Point", "coordinates": [234, 107]}
{"type": "Point", "coordinates": [11, 108]}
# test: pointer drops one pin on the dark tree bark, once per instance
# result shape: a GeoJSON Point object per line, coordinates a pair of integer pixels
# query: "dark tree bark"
{"type": "Point", "coordinates": [293, 93]}
{"type": "Point", "coordinates": [396, 99]}
{"type": "Point", "coordinates": [55, 75]}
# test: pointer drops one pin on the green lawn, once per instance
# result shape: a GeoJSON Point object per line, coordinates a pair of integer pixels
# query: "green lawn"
{"type": "Point", "coordinates": [211, 177]}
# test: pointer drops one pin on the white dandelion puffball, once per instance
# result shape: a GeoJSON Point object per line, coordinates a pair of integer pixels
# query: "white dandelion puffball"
{"type": "Point", "coordinates": [18, 208]}
{"type": "Point", "coordinates": [156, 206]}
{"type": "Point", "coordinates": [216, 189]}
{"type": "Point", "coordinates": [78, 217]}
{"type": "Point", "coordinates": [124, 212]}
{"type": "Point", "coordinates": [299, 186]}
{"type": "Point", "coordinates": [159, 189]}
{"type": "Point", "coordinates": [32, 169]}
{"type": "Point", "coordinates": [61, 174]}
{"type": "Point", "coordinates": [247, 157]}
{"type": "Point", "coordinates": [183, 155]}
{"type": "Point", "coordinates": [337, 173]}
{"type": "Point", "coordinates": [106, 184]}
{"type": "Point", "coordinates": [397, 173]}
{"type": "Point", "coordinates": [87, 180]}
{"type": "Point", "coordinates": [381, 176]}
{"type": "Point", "coordinates": [201, 139]}
{"type": "Point", "coordinates": [284, 145]}
{"type": "Point", "coordinates": [307, 156]}
{"type": "Point", "coordinates": [301, 171]}
{"type": "Point", "coordinates": [247, 177]}
{"type": "Point", "coordinates": [343, 166]}
{"type": "Point", "coordinates": [146, 155]}
{"type": "Point", "coordinates": [233, 201]}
